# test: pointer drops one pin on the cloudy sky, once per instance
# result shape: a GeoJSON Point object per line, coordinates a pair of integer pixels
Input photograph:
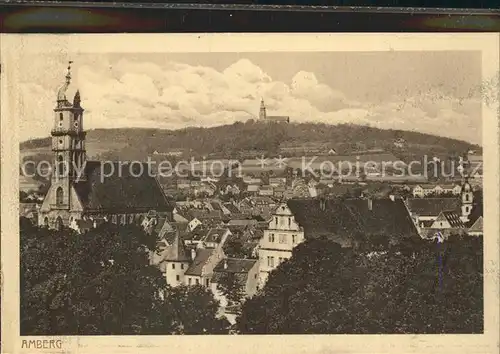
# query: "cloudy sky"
{"type": "Point", "coordinates": [432, 92]}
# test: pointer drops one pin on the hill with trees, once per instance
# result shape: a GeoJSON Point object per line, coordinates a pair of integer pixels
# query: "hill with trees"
{"type": "Point", "coordinates": [243, 139]}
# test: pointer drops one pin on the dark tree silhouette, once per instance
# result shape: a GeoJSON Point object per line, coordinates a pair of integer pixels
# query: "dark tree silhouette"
{"type": "Point", "coordinates": [102, 282]}
{"type": "Point", "coordinates": [415, 287]}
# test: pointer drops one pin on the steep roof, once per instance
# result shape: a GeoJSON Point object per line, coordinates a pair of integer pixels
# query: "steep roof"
{"type": "Point", "coordinates": [452, 218]}
{"type": "Point", "coordinates": [215, 206]}
{"type": "Point", "coordinates": [161, 224]}
{"type": "Point", "coordinates": [340, 219]}
{"type": "Point", "coordinates": [433, 206]}
{"type": "Point", "coordinates": [120, 188]}
{"type": "Point", "coordinates": [202, 257]}
{"type": "Point", "coordinates": [386, 216]}
{"type": "Point", "coordinates": [235, 265]}
{"type": "Point", "coordinates": [477, 226]}
{"type": "Point", "coordinates": [426, 223]}
{"type": "Point", "coordinates": [232, 208]}
{"type": "Point", "coordinates": [176, 252]}
{"type": "Point", "coordinates": [334, 221]}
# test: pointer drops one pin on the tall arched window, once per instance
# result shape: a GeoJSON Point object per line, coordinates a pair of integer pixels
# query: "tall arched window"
{"type": "Point", "coordinates": [59, 223]}
{"type": "Point", "coordinates": [59, 196]}
{"type": "Point", "coordinates": [60, 166]}
{"type": "Point", "coordinates": [60, 116]}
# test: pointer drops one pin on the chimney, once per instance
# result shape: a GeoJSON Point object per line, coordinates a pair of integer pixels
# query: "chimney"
{"type": "Point", "coordinates": [391, 196]}
{"type": "Point", "coordinates": [225, 263]}
{"type": "Point", "coordinates": [370, 204]}
{"type": "Point", "coordinates": [193, 253]}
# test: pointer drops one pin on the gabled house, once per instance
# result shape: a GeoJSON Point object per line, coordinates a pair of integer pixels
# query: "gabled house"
{"type": "Point", "coordinates": [282, 235]}
{"type": "Point", "coordinates": [477, 228]}
{"type": "Point", "coordinates": [203, 262]}
{"type": "Point", "coordinates": [173, 259]}
{"type": "Point", "coordinates": [244, 271]}
{"type": "Point", "coordinates": [448, 220]}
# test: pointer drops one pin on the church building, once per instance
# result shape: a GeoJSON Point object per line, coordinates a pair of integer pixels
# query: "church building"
{"type": "Point", "coordinates": [120, 192]}
{"type": "Point", "coordinates": [265, 118]}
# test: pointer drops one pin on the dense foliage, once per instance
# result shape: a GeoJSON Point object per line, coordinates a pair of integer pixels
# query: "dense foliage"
{"type": "Point", "coordinates": [420, 287]}
{"type": "Point", "coordinates": [102, 283]}
{"type": "Point", "coordinates": [257, 137]}
{"type": "Point", "coordinates": [230, 285]}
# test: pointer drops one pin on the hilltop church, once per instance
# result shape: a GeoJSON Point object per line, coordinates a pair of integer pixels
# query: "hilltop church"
{"type": "Point", "coordinates": [265, 118]}
{"type": "Point", "coordinates": [92, 191]}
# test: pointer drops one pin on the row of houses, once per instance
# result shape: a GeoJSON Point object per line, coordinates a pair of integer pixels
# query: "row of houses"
{"type": "Point", "coordinates": [296, 220]}
{"type": "Point", "coordinates": [423, 190]}
{"type": "Point", "coordinates": [191, 247]}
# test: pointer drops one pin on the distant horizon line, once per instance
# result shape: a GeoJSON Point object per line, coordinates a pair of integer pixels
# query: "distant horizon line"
{"type": "Point", "coordinates": [257, 120]}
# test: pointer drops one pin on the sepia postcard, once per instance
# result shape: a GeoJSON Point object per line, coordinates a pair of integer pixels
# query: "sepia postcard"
{"type": "Point", "coordinates": [242, 193]}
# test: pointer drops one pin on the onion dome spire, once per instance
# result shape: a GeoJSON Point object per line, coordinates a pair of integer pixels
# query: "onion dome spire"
{"type": "Point", "coordinates": [61, 94]}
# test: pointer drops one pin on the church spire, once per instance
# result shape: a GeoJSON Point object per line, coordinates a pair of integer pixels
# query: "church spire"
{"type": "Point", "coordinates": [68, 75]}
{"type": "Point", "coordinates": [61, 94]}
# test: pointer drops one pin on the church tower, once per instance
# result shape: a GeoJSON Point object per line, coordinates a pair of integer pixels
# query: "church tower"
{"type": "Point", "coordinates": [467, 197]}
{"type": "Point", "coordinates": [262, 111]}
{"type": "Point", "coordinates": [68, 145]}
{"type": "Point", "coordinates": [466, 194]}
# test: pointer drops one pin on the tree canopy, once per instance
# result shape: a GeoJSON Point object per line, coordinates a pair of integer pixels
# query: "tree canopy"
{"type": "Point", "coordinates": [101, 282]}
{"type": "Point", "coordinates": [423, 287]}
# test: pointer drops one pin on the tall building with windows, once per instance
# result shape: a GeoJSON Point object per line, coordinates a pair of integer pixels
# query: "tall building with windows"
{"type": "Point", "coordinates": [467, 196]}
{"type": "Point", "coordinates": [120, 192]}
{"type": "Point", "coordinates": [280, 238]}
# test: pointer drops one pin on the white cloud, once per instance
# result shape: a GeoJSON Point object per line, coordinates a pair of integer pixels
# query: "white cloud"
{"type": "Point", "coordinates": [174, 95]}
